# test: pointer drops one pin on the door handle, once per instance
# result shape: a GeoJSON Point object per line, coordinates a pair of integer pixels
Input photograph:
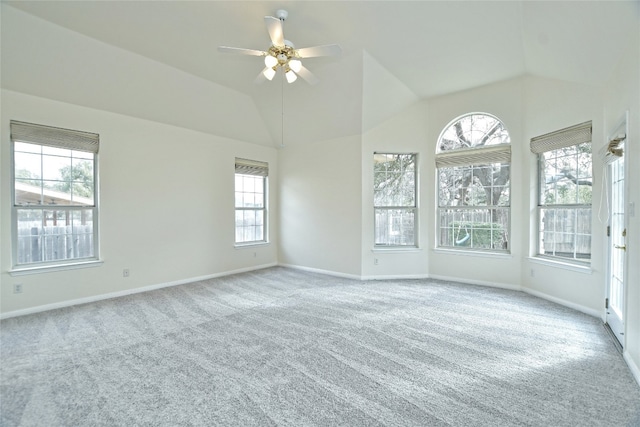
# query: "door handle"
{"type": "Point", "coordinates": [623, 247]}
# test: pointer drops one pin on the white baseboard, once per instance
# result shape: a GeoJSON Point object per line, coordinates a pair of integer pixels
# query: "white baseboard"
{"type": "Point", "coordinates": [355, 276]}
{"type": "Point", "coordinates": [320, 271]}
{"type": "Point", "coordinates": [69, 303]}
{"type": "Point", "coordinates": [578, 307]}
{"type": "Point", "coordinates": [632, 366]}
{"type": "Point", "coordinates": [477, 282]}
{"type": "Point", "coordinates": [395, 277]}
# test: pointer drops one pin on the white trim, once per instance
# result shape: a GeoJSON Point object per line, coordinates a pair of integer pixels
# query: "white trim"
{"type": "Point", "coordinates": [580, 268]}
{"type": "Point", "coordinates": [395, 249]}
{"type": "Point", "coordinates": [471, 252]}
{"type": "Point", "coordinates": [635, 371]}
{"type": "Point", "coordinates": [318, 270]}
{"type": "Point", "coordinates": [251, 244]}
{"type": "Point", "coordinates": [23, 271]}
{"type": "Point", "coordinates": [395, 277]}
{"type": "Point", "coordinates": [578, 307]}
{"type": "Point", "coordinates": [110, 295]}
{"type": "Point", "coordinates": [477, 282]}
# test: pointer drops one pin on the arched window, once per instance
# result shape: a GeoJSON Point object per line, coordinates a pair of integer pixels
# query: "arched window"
{"type": "Point", "coordinates": [473, 162]}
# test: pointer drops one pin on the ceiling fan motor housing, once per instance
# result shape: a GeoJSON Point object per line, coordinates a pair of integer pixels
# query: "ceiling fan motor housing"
{"type": "Point", "coordinates": [282, 53]}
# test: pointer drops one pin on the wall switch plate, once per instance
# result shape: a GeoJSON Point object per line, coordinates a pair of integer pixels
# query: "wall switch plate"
{"type": "Point", "coordinates": [17, 288]}
{"type": "Point", "coordinates": [125, 272]}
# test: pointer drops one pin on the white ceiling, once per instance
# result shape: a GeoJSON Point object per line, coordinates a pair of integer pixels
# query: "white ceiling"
{"type": "Point", "coordinates": [431, 48]}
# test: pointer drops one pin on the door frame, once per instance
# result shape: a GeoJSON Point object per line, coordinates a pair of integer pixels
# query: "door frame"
{"type": "Point", "coordinates": [622, 127]}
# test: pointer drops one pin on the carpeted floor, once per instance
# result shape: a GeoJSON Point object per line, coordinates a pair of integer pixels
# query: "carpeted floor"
{"type": "Point", "coordinates": [285, 347]}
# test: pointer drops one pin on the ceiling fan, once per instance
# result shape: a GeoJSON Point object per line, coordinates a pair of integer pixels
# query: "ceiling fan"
{"type": "Point", "coordinates": [282, 54]}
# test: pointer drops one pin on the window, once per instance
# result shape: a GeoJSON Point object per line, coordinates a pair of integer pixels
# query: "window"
{"type": "Point", "coordinates": [564, 197]}
{"type": "Point", "coordinates": [394, 199]}
{"type": "Point", "coordinates": [54, 211]}
{"type": "Point", "coordinates": [251, 212]}
{"type": "Point", "coordinates": [473, 167]}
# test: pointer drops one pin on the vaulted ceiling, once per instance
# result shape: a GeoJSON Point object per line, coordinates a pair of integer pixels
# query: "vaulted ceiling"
{"type": "Point", "coordinates": [420, 49]}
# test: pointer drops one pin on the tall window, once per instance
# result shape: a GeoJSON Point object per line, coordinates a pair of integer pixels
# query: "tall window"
{"type": "Point", "coordinates": [564, 197]}
{"type": "Point", "coordinates": [54, 195]}
{"type": "Point", "coordinates": [251, 211]}
{"type": "Point", "coordinates": [473, 166]}
{"type": "Point", "coordinates": [394, 198]}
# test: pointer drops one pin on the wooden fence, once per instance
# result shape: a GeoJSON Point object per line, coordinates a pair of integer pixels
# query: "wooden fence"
{"type": "Point", "coordinates": [566, 232]}
{"type": "Point", "coordinates": [54, 243]}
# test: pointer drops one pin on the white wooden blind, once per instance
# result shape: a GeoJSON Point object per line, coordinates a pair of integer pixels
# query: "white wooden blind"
{"type": "Point", "coordinates": [474, 156]}
{"type": "Point", "coordinates": [252, 167]}
{"type": "Point", "coordinates": [55, 137]}
{"type": "Point", "coordinates": [562, 138]}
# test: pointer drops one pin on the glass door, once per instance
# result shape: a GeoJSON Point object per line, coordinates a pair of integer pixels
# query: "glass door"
{"type": "Point", "coordinates": [617, 250]}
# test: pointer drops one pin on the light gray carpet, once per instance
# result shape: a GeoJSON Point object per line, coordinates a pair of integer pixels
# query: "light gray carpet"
{"type": "Point", "coordinates": [284, 347]}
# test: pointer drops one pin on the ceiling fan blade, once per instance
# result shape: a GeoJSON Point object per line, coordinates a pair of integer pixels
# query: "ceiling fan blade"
{"type": "Point", "coordinates": [308, 75]}
{"type": "Point", "coordinates": [260, 78]}
{"type": "Point", "coordinates": [267, 73]}
{"type": "Point", "coordinates": [241, 51]}
{"type": "Point", "coordinates": [274, 27]}
{"type": "Point", "coordinates": [325, 50]}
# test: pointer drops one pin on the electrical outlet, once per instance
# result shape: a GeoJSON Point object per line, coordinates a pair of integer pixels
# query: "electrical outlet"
{"type": "Point", "coordinates": [125, 272]}
{"type": "Point", "coordinates": [375, 261]}
{"type": "Point", "coordinates": [533, 273]}
{"type": "Point", "coordinates": [17, 288]}
{"type": "Point", "coordinates": [255, 254]}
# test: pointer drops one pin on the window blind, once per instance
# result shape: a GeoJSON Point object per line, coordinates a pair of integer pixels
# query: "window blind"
{"type": "Point", "coordinates": [474, 156]}
{"type": "Point", "coordinates": [55, 137]}
{"type": "Point", "coordinates": [614, 150]}
{"type": "Point", "coordinates": [562, 138]}
{"type": "Point", "coordinates": [252, 167]}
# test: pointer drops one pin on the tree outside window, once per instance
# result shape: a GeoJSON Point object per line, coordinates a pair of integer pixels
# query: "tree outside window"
{"type": "Point", "coordinates": [394, 198]}
{"type": "Point", "coordinates": [565, 202]}
{"type": "Point", "coordinates": [473, 167]}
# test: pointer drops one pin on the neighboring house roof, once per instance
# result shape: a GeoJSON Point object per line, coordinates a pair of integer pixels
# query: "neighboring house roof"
{"type": "Point", "coordinates": [34, 195]}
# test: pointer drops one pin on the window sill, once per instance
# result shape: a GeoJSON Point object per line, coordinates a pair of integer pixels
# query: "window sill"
{"type": "Point", "coordinates": [460, 252]}
{"type": "Point", "coordinates": [396, 249]}
{"type": "Point", "coordinates": [580, 268]}
{"type": "Point", "coordinates": [250, 244]}
{"type": "Point", "coordinates": [23, 271]}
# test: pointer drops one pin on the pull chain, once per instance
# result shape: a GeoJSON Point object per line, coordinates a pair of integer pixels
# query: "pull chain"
{"type": "Point", "coordinates": [282, 111]}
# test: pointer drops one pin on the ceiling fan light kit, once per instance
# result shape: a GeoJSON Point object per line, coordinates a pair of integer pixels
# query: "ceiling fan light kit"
{"type": "Point", "coordinates": [282, 54]}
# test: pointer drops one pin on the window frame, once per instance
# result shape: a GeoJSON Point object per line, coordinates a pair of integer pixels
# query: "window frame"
{"type": "Point", "coordinates": [472, 209]}
{"type": "Point", "coordinates": [254, 169]}
{"type": "Point", "coordinates": [413, 209]}
{"type": "Point", "coordinates": [473, 156]}
{"type": "Point", "coordinates": [64, 139]}
{"type": "Point", "coordinates": [573, 207]}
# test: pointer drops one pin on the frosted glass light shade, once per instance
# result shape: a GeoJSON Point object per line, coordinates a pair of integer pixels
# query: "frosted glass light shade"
{"type": "Point", "coordinates": [270, 61]}
{"type": "Point", "coordinates": [295, 65]}
{"type": "Point", "coordinates": [291, 76]}
{"type": "Point", "coordinates": [269, 73]}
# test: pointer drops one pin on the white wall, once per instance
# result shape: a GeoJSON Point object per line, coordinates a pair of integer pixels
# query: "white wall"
{"type": "Point", "coordinates": [166, 205]}
{"type": "Point", "coordinates": [320, 206]}
{"type": "Point", "coordinates": [623, 94]}
{"type": "Point", "coordinates": [44, 59]}
{"type": "Point", "coordinates": [552, 105]}
{"type": "Point", "coordinates": [403, 133]}
{"type": "Point", "coordinates": [505, 101]}
{"type": "Point", "coordinates": [383, 94]}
